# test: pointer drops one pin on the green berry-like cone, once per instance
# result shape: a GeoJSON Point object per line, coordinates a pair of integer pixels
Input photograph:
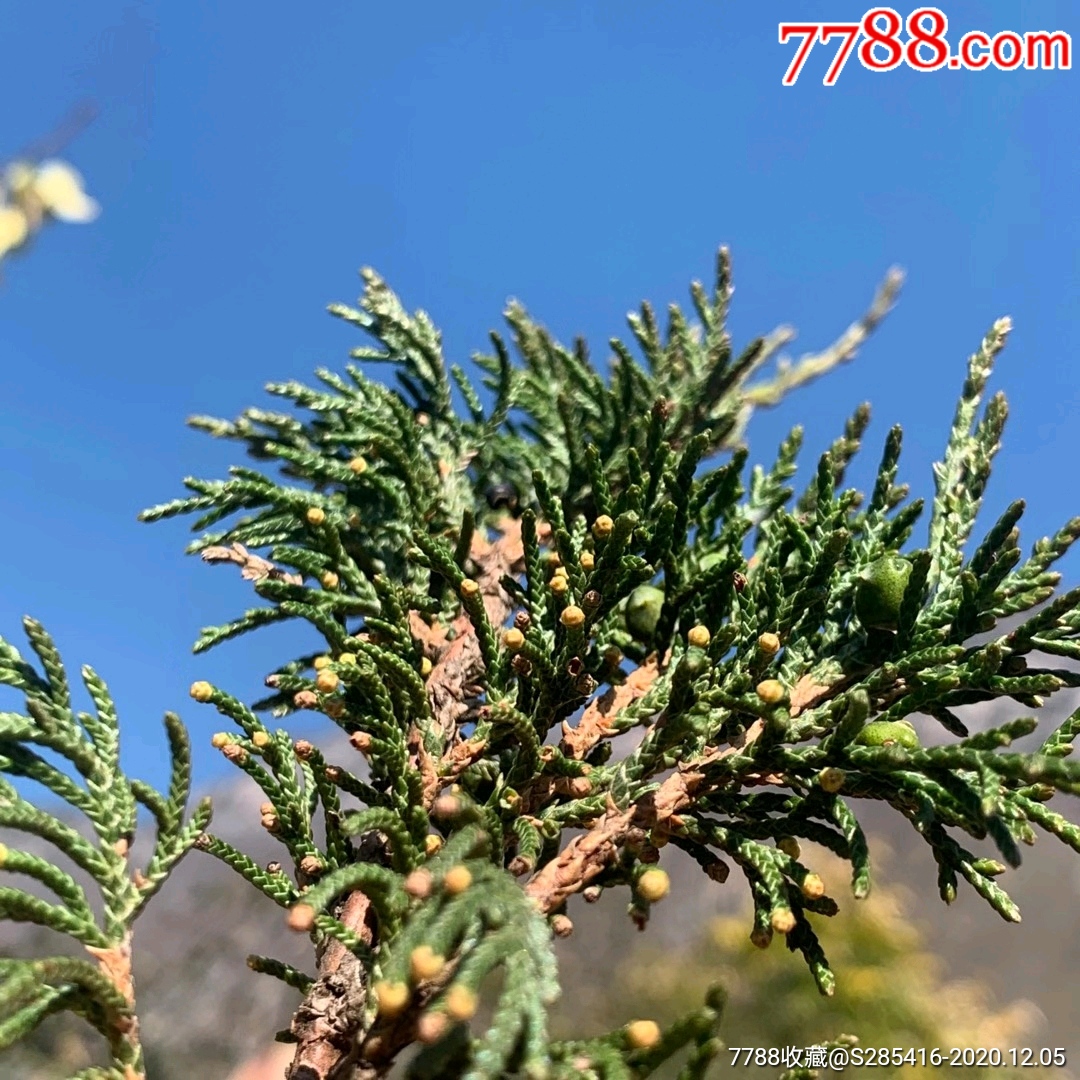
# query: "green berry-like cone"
{"type": "Point", "coordinates": [643, 610]}
{"type": "Point", "coordinates": [883, 732]}
{"type": "Point", "coordinates": [880, 592]}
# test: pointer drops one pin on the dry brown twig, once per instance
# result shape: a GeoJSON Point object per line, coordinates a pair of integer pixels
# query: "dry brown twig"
{"type": "Point", "coordinates": [588, 855]}
{"type": "Point", "coordinates": [252, 567]}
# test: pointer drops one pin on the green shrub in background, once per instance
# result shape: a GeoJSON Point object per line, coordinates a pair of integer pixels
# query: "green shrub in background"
{"type": "Point", "coordinates": [891, 990]}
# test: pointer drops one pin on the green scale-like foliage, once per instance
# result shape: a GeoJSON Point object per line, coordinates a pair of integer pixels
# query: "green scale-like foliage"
{"type": "Point", "coordinates": [781, 687]}
{"type": "Point", "coordinates": [399, 483]}
{"type": "Point", "coordinates": [93, 785]}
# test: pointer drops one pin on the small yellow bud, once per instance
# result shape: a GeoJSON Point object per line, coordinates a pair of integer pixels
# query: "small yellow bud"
{"type": "Point", "coordinates": [587, 560]}
{"type": "Point", "coordinates": [699, 637]}
{"type": "Point", "coordinates": [327, 682]}
{"type": "Point", "coordinates": [358, 465]}
{"type": "Point", "coordinates": [3, 854]}
{"type": "Point", "coordinates": [602, 527]}
{"type": "Point", "coordinates": [329, 580]}
{"type": "Point", "coordinates": [220, 739]}
{"type": "Point", "coordinates": [446, 805]}
{"type": "Point", "coordinates": [782, 920]}
{"type": "Point", "coordinates": [831, 780]}
{"type": "Point", "coordinates": [260, 738]}
{"type": "Point", "coordinates": [561, 571]}
{"type": "Point", "coordinates": [558, 585]}
{"type": "Point", "coordinates": [513, 639]}
{"type": "Point", "coordinates": [425, 963]}
{"type": "Point", "coordinates": [425, 666]}
{"type": "Point", "coordinates": [418, 884]}
{"type": "Point", "coordinates": [347, 658]}
{"type": "Point", "coordinates": [201, 691]}
{"type": "Point", "coordinates": [301, 917]}
{"type": "Point", "coordinates": [771, 691]}
{"type": "Point", "coordinates": [572, 616]}
{"type": "Point", "coordinates": [813, 886]}
{"type": "Point", "coordinates": [769, 644]}
{"type": "Point", "coordinates": [315, 515]}
{"type": "Point", "coordinates": [321, 662]}
{"type": "Point", "coordinates": [460, 1003]}
{"type": "Point", "coordinates": [393, 998]}
{"type": "Point", "coordinates": [266, 808]}
{"type": "Point", "coordinates": [457, 880]}
{"type": "Point", "coordinates": [642, 1034]}
{"type": "Point", "coordinates": [270, 822]}
{"type": "Point", "coordinates": [561, 926]}
{"type": "Point", "coordinates": [432, 844]}
{"type": "Point", "coordinates": [789, 846]}
{"type": "Point", "coordinates": [361, 740]}
{"type": "Point", "coordinates": [431, 1027]}
{"type": "Point", "coordinates": [468, 588]}
{"type": "Point", "coordinates": [653, 885]}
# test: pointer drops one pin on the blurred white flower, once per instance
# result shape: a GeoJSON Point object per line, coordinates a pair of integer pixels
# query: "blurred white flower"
{"type": "Point", "coordinates": [14, 228]}
{"type": "Point", "coordinates": [60, 189]}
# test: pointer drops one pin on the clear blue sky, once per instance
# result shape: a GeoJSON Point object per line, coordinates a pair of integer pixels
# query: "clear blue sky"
{"type": "Point", "coordinates": [579, 156]}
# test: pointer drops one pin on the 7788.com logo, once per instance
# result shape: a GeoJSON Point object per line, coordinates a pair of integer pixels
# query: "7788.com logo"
{"type": "Point", "coordinates": [926, 47]}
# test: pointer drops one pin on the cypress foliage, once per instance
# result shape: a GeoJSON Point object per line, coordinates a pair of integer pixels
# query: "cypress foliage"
{"type": "Point", "coordinates": [92, 784]}
{"type": "Point", "coordinates": [497, 595]}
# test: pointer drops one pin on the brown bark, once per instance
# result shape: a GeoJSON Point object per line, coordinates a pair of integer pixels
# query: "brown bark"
{"type": "Point", "coordinates": [328, 1021]}
{"type": "Point", "coordinates": [593, 725]}
{"type": "Point", "coordinates": [332, 1044]}
{"type": "Point", "coordinates": [457, 663]}
{"type": "Point", "coordinates": [327, 1026]}
{"type": "Point", "coordinates": [115, 963]}
{"type": "Point", "coordinates": [588, 855]}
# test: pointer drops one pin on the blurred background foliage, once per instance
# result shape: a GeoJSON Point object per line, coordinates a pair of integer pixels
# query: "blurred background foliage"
{"type": "Point", "coordinates": [892, 990]}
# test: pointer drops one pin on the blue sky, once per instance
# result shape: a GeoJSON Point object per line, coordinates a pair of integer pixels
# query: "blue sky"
{"type": "Point", "coordinates": [578, 156]}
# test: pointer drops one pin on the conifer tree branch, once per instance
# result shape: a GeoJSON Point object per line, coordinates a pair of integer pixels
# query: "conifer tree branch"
{"type": "Point", "coordinates": [477, 584]}
{"type": "Point", "coordinates": [103, 992]}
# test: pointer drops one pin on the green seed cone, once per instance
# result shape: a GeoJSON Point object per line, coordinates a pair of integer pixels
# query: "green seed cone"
{"type": "Point", "coordinates": [882, 732]}
{"type": "Point", "coordinates": [643, 610]}
{"type": "Point", "coordinates": [880, 592]}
